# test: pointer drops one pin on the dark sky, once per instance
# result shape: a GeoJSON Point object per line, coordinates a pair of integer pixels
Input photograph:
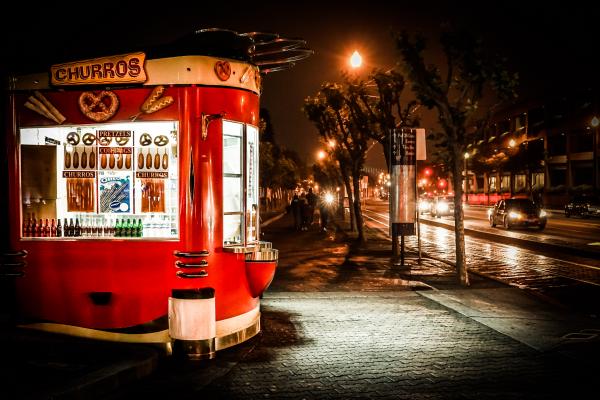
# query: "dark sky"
{"type": "Point", "coordinates": [553, 46]}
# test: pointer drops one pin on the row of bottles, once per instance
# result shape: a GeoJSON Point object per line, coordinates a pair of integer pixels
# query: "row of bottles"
{"type": "Point", "coordinates": [33, 228]}
{"type": "Point", "coordinates": [88, 228]}
{"type": "Point", "coordinates": [97, 227]}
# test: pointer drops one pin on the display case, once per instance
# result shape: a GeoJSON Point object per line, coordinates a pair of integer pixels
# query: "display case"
{"type": "Point", "coordinates": [116, 180]}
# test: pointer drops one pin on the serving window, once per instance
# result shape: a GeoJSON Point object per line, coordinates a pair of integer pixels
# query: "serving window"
{"type": "Point", "coordinates": [240, 184]}
{"type": "Point", "coordinates": [104, 181]}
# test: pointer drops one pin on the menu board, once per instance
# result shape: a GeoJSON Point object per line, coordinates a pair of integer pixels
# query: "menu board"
{"type": "Point", "coordinates": [107, 176]}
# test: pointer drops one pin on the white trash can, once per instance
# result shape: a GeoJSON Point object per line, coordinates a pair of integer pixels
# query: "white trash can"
{"type": "Point", "coordinates": [192, 323]}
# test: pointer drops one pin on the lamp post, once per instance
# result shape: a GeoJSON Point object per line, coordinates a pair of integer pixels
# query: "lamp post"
{"type": "Point", "coordinates": [594, 123]}
{"type": "Point", "coordinates": [466, 157]}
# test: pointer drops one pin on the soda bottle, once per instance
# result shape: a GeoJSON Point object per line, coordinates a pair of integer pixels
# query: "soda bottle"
{"type": "Point", "coordinates": [58, 229]}
{"type": "Point", "coordinates": [71, 228]}
{"type": "Point", "coordinates": [27, 227]}
{"type": "Point", "coordinates": [77, 229]}
{"type": "Point", "coordinates": [47, 228]}
{"type": "Point", "coordinates": [40, 231]}
{"type": "Point", "coordinates": [139, 228]}
{"type": "Point", "coordinates": [128, 228]}
{"type": "Point", "coordinates": [118, 228]}
{"type": "Point", "coordinates": [53, 229]}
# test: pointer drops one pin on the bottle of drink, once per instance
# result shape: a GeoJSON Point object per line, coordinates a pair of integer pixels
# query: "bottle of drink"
{"type": "Point", "coordinates": [27, 227]}
{"type": "Point", "coordinates": [47, 229]}
{"type": "Point", "coordinates": [53, 229]}
{"type": "Point", "coordinates": [128, 228]}
{"type": "Point", "coordinates": [118, 228]}
{"type": "Point", "coordinates": [41, 232]}
{"type": "Point", "coordinates": [58, 229]}
{"type": "Point", "coordinates": [139, 228]}
{"type": "Point", "coordinates": [77, 227]}
{"type": "Point", "coordinates": [71, 228]}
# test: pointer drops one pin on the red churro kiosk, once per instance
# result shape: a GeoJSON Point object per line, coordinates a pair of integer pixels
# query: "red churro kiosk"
{"type": "Point", "coordinates": [133, 189]}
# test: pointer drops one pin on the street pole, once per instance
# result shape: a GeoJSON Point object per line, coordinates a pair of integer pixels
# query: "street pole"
{"type": "Point", "coordinates": [418, 212]}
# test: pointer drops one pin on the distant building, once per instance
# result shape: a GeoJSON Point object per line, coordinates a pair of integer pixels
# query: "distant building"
{"type": "Point", "coordinates": [546, 150]}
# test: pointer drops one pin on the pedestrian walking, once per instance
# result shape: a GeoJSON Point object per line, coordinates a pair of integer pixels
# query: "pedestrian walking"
{"type": "Point", "coordinates": [306, 212]}
{"type": "Point", "coordinates": [296, 210]}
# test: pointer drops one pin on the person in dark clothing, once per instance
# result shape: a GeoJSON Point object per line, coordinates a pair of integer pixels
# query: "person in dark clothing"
{"type": "Point", "coordinates": [311, 199]}
{"type": "Point", "coordinates": [296, 208]}
{"type": "Point", "coordinates": [305, 211]}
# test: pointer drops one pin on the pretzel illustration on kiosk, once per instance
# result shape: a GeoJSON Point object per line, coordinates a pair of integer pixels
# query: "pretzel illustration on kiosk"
{"type": "Point", "coordinates": [73, 138]}
{"type": "Point", "coordinates": [223, 70]}
{"type": "Point", "coordinates": [88, 139]}
{"type": "Point", "coordinates": [161, 140]}
{"type": "Point", "coordinates": [145, 139]}
{"type": "Point", "coordinates": [95, 106]}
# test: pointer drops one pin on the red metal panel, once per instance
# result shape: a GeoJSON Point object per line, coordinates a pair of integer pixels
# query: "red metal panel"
{"type": "Point", "coordinates": [140, 274]}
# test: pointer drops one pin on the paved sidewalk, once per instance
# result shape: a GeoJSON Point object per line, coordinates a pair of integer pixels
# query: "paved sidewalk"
{"type": "Point", "coordinates": [340, 322]}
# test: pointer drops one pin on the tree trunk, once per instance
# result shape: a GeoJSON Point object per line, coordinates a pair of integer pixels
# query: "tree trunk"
{"type": "Point", "coordinates": [459, 229]}
{"type": "Point", "coordinates": [346, 180]}
{"type": "Point", "coordinates": [356, 204]}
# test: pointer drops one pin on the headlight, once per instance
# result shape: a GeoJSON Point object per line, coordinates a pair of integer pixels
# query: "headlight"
{"type": "Point", "coordinates": [442, 206]}
{"type": "Point", "coordinates": [542, 213]}
{"type": "Point", "coordinates": [515, 215]}
{"type": "Point", "coordinates": [423, 205]}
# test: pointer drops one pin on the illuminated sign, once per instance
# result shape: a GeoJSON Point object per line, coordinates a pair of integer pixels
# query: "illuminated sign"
{"type": "Point", "coordinates": [126, 68]}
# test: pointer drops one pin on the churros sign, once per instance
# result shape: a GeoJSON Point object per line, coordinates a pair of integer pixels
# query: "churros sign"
{"type": "Point", "coordinates": [126, 68]}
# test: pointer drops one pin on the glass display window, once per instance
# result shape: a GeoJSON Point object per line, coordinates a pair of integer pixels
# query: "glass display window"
{"type": "Point", "coordinates": [240, 184]}
{"type": "Point", "coordinates": [116, 180]}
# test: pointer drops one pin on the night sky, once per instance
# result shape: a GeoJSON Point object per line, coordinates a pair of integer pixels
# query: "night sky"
{"type": "Point", "coordinates": [553, 46]}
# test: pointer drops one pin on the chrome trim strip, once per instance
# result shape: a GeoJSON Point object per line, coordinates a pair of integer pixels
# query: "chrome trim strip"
{"type": "Point", "coordinates": [194, 349]}
{"type": "Point", "coordinates": [240, 336]}
{"type": "Point", "coordinates": [240, 249]}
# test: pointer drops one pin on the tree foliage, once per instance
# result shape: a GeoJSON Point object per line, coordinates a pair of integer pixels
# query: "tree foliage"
{"type": "Point", "coordinates": [456, 90]}
{"type": "Point", "coordinates": [280, 168]}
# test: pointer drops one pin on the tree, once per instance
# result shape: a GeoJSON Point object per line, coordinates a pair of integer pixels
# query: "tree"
{"type": "Point", "coordinates": [323, 116]}
{"type": "Point", "coordinates": [381, 114]}
{"type": "Point", "coordinates": [471, 75]}
{"type": "Point", "coordinates": [339, 117]}
{"type": "Point", "coordinates": [280, 168]}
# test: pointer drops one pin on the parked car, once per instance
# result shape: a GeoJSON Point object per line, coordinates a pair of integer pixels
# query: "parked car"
{"type": "Point", "coordinates": [442, 205]}
{"type": "Point", "coordinates": [424, 204]}
{"type": "Point", "coordinates": [517, 212]}
{"type": "Point", "coordinates": [584, 206]}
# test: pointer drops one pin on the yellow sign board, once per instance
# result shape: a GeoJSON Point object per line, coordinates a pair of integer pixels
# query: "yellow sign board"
{"type": "Point", "coordinates": [126, 68]}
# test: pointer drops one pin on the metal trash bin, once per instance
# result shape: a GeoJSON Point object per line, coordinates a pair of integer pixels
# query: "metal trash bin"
{"type": "Point", "coordinates": [192, 323]}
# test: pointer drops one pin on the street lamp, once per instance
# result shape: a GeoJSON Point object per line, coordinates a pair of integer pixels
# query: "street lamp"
{"type": "Point", "coordinates": [321, 155]}
{"type": "Point", "coordinates": [355, 59]}
{"type": "Point", "coordinates": [466, 157]}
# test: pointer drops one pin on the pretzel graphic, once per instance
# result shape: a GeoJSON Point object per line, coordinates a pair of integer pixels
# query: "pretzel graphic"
{"type": "Point", "coordinates": [223, 70]}
{"type": "Point", "coordinates": [94, 107]}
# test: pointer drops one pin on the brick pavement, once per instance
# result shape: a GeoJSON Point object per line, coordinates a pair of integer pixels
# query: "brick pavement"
{"type": "Point", "coordinates": [392, 345]}
{"type": "Point", "coordinates": [340, 323]}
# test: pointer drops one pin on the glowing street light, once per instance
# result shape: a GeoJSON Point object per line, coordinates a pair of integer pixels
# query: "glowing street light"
{"type": "Point", "coordinates": [512, 143]}
{"type": "Point", "coordinates": [321, 155]}
{"type": "Point", "coordinates": [331, 143]}
{"type": "Point", "coordinates": [355, 59]}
